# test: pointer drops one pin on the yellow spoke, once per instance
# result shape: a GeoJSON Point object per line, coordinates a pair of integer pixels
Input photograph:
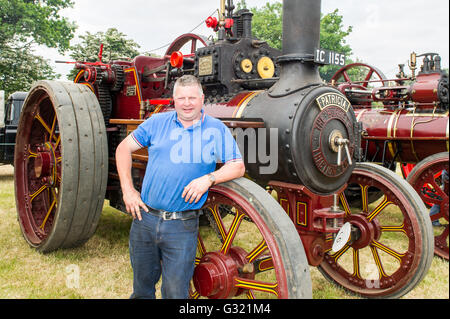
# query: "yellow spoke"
{"type": "Point", "coordinates": [48, 129]}
{"type": "Point", "coordinates": [400, 228]}
{"type": "Point", "coordinates": [48, 213]}
{"type": "Point", "coordinates": [41, 120]}
{"type": "Point", "coordinates": [345, 204]}
{"type": "Point", "coordinates": [365, 198]}
{"type": "Point", "coordinates": [356, 269]}
{"type": "Point", "coordinates": [257, 285]}
{"type": "Point", "coordinates": [218, 221]}
{"type": "Point", "coordinates": [231, 232]}
{"type": "Point", "coordinates": [37, 192]}
{"type": "Point", "coordinates": [377, 260]}
{"type": "Point", "coordinates": [257, 251]}
{"type": "Point", "coordinates": [339, 254]}
{"type": "Point", "coordinates": [378, 209]}
{"type": "Point", "coordinates": [200, 247]}
{"type": "Point", "coordinates": [250, 295]}
{"type": "Point", "coordinates": [31, 154]}
{"type": "Point", "coordinates": [53, 128]}
{"type": "Point", "coordinates": [194, 294]}
{"type": "Point", "coordinates": [57, 141]}
{"type": "Point", "coordinates": [387, 250]}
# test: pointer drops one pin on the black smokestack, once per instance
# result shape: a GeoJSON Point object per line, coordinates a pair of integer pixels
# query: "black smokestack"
{"type": "Point", "coordinates": [301, 36]}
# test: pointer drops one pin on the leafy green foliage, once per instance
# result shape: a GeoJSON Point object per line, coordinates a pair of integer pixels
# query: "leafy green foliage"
{"type": "Point", "coordinates": [19, 69]}
{"type": "Point", "coordinates": [23, 24]}
{"type": "Point", "coordinates": [33, 21]}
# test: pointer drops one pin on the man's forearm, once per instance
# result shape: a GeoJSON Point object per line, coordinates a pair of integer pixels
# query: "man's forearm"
{"type": "Point", "coordinates": [123, 164]}
{"type": "Point", "coordinates": [131, 197]}
{"type": "Point", "coordinates": [229, 171]}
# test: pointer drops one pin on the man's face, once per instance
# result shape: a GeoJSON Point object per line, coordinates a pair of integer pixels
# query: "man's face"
{"type": "Point", "coordinates": [188, 103]}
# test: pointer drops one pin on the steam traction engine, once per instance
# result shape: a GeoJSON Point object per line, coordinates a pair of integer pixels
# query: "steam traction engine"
{"type": "Point", "coordinates": [405, 120]}
{"type": "Point", "coordinates": [258, 247]}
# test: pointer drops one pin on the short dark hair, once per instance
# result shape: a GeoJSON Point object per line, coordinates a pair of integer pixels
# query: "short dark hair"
{"type": "Point", "coordinates": [188, 80]}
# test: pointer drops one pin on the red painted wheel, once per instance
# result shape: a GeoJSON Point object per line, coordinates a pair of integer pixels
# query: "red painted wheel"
{"type": "Point", "coordinates": [360, 77]}
{"type": "Point", "coordinates": [251, 249]}
{"type": "Point", "coordinates": [391, 247]}
{"type": "Point", "coordinates": [427, 179]}
{"type": "Point", "coordinates": [60, 165]}
{"type": "Point", "coordinates": [181, 41]}
{"type": "Point", "coordinates": [359, 73]}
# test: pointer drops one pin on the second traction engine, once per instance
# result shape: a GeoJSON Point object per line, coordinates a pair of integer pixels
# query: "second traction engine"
{"type": "Point", "coordinates": [404, 119]}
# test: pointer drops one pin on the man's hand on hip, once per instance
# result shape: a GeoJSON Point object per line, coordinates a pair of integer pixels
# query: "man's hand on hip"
{"type": "Point", "coordinates": [133, 203]}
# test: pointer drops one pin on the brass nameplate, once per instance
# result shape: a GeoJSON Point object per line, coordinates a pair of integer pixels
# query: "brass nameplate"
{"type": "Point", "coordinates": [205, 65]}
{"type": "Point", "coordinates": [335, 99]}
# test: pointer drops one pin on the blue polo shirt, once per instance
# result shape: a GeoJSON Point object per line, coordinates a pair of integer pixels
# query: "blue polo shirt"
{"type": "Point", "coordinates": [177, 155]}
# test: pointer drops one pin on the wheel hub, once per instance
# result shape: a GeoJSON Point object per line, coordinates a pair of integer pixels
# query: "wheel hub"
{"type": "Point", "coordinates": [215, 274]}
{"type": "Point", "coordinates": [45, 164]}
{"type": "Point", "coordinates": [368, 231]}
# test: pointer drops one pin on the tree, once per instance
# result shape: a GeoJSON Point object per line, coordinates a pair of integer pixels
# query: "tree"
{"type": "Point", "coordinates": [24, 24]}
{"type": "Point", "coordinates": [27, 22]}
{"type": "Point", "coordinates": [19, 69]}
{"type": "Point", "coordinates": [268, 26]}
{"type": "Point", "coordinates": [115, 46]}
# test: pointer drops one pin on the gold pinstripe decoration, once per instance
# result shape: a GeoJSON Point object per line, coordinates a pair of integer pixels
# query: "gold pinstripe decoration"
{"type": "Point", "coordinates": [378, 209]}
{"type": "Point", "coordinates": [305, 221]}
{"type": "Point", "coordinates": [260, 268]}
{"type": "Point", "coordinates": [356, 270]}
{"type": "Point", "coordinates": [138, 86]}
{"type": "Point", "coordinates": [243, 104]}
{"type": "Point", "coordinates": [338, 254]}
{"type": "Point", "coordinates": [194, 294]}
{"type": "Point", "coordinates": [345, 204]}
{"type": "Point", "coordinates": [393, 253]}
{"type": "Point", "coordinates": [257, 285]}
{"type": "Point", "coordinates": [200, 246]}
{"type": "Point", "coordinates": [364, 194]}
{"type": "Point", "coordinates": [377, 260]}
{"type": "Point", "coordinates": [231, 232]}
{"type": "Point", "coordinates": [400, 228]}
{"type": "Point", "coordinates": [218, 221]}
{"type": "Point", "coordinates": [257, 251]}
{"type": "Point", "coordinates": [390, 129]}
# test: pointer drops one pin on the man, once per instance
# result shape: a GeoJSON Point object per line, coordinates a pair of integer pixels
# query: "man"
{"type": "Point", "coordinates": [183, 147]}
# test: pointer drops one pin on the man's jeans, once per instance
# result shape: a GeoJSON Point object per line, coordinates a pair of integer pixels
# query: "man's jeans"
{"type": "Point", "coordinates": [166, 247]}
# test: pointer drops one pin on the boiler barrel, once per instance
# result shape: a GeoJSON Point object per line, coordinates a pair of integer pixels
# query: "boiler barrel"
{"type": "Point", "coordinates": [405, 135]}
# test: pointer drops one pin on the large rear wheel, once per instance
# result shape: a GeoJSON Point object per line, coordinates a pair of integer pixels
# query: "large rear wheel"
{"type": "Point", "coordinates": [61, 165]}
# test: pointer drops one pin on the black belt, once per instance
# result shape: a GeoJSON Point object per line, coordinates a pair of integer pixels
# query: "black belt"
{"type": "Point", "coordinates": [184, 215]}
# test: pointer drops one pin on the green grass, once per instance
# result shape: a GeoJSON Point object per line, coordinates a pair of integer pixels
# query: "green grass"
{"type": "Point", "coordinates": [104, 266]}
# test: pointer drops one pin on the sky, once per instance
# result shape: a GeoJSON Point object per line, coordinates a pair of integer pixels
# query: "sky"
{"type": "Point", "coordinates": [384, 34]}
